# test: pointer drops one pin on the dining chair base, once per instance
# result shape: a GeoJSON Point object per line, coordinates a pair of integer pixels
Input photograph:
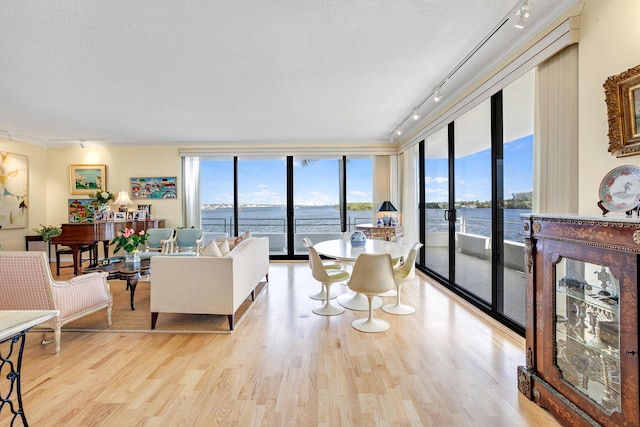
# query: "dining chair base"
{"type": "Point", "coordinates": [358, 301]}
{"type": "Point", "coordinates": [370, 325]}
{"type": "Point", "coordinates": [328, 310]}
{"type": "Point", "coordinates": [400, 309]}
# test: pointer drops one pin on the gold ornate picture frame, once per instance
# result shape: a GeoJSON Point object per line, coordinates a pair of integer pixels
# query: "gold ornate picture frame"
{"type": "Point", "coordinates": [87, 179]}
{"type": "Point", "coordinates": [622, 95]}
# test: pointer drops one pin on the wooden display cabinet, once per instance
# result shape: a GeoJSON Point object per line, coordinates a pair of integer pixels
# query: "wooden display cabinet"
{"type": "Point", "coordinates": [582, 319]}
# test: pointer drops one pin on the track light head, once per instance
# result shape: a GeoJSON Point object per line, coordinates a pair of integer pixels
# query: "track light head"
{"type": "Point", "coordinates": [415, 115]}
{"type": "Point", "coordinates": [524, 13]}
{"type": "Point", "coordinates": [437, 96]}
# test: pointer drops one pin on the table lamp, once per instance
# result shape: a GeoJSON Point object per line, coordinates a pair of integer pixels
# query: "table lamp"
{"type": "Point", "coordinates": [123, 200]}
{"type": "Point", "coordinates": [386, 206]}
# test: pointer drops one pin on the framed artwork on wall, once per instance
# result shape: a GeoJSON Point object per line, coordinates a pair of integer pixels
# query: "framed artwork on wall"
{"type": "Point", "coordinates": [81, 210]}
{"type": "Point", "coordinates": [154, 188]}
{"type": "Point", "coordinates": [87, 179]}
{"type": "Point", "coordinates": [14, 185]}
{"type": "Point", "coordinates": [622, 95]}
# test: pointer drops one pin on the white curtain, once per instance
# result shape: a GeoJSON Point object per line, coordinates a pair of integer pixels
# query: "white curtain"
{"type": "Point", "coordinates": [191, 191]}
{"type": "Point", "coordinates": [556, 134]}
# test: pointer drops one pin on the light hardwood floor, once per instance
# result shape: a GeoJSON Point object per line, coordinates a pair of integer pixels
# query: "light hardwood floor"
{"type": "Point", "coordinates": [445, 365]}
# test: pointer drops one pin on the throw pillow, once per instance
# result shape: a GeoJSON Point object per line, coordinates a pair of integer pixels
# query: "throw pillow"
{"type": "Point", "coordinates": [223, 246]}
{"type": "Point", "coordinates": [229, 241]}
{"type": "Point", "coordinates": [243, 236]}
{"type": "Point", "coordinates": [211, 250]}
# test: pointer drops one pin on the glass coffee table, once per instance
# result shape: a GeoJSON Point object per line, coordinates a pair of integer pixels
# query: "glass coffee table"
{"type": "Point", "coordinates": [121, 270]}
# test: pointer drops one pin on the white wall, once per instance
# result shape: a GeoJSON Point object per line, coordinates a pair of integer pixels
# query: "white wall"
{"type": "Point", "coordinates": [123, 163]}
{"type": "Point", "coordinates": [49, 189]}
{"type": "Point", "coordinates": [609, 34]}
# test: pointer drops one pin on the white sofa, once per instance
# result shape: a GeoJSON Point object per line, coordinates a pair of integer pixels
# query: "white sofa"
{"type": "Point", "coordinates": [208, 284]}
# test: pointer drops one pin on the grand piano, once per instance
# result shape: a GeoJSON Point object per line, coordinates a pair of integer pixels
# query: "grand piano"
{"type": "Point", "coordinates": [76, 235]}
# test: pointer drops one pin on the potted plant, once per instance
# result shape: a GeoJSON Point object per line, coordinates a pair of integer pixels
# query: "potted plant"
{"type": "Point", "coordinates": [48, 232]}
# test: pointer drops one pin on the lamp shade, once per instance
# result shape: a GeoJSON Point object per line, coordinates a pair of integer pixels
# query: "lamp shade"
{"type": "Point", "coordinates": [123, 198]}
{"type": "Point", "coordinates": [386, 206]}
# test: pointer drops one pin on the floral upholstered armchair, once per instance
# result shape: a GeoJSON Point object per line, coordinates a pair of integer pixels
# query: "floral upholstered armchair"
{"type": "Point", "coordinates": [26, 283]}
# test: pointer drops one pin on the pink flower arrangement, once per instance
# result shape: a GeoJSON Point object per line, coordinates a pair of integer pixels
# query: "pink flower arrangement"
{"type": "Point", "coordinates": [129, 240]}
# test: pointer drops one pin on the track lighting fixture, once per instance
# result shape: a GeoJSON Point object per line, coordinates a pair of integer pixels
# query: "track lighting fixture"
{"type": "Point", "coordinates": [81, 144]}
{"type": "Point", "coordinates": [415, 115]}
{"type": "Point", "coordinates": [437, 96]}
{"type": "Point", "coordinates": [524, 13]}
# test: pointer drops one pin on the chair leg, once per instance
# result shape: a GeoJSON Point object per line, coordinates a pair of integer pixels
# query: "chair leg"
{"type": "Point", "coordinates": [370, 324]}
{"type": "Point", "coordinates": [322, 295]}
{"type": "Point", "coordinates": [57, 336]}
{"type": "Point", "coordinates": [327, 308]}
{"type": "Point", "coordinates": [57, 263]}
{"type": "Point", "coordinates": [398, 307]}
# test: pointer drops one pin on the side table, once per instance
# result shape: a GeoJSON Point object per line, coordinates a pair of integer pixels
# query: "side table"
{"type": "Point", "coordinates": [380, 233]}
{"type": "Point", "coordinates": [128, 271]}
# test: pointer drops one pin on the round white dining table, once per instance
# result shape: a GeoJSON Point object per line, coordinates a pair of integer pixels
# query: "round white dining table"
{"type": "Point", "coordinates": [343, 250]}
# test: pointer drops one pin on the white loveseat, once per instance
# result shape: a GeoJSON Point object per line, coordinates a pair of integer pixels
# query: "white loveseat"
{"type": "Point", "coordinates": [208, 284]}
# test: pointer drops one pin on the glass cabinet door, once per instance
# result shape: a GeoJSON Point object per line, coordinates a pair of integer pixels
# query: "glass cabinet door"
{"type": "Point", "coordinates": [587, 330]}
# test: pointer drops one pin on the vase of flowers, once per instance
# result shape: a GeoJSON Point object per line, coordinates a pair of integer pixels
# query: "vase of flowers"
{"type": "Point", "coordinates": [129, 240]}
{"type": "Point", "coordinates": [102, 198]}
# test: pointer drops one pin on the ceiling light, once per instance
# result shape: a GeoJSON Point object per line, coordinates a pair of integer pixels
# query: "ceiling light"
{"type": "Point", "coordinates": [81, 144]}
{"type": "Point", "coordinates": [437, 96]}
{"type": "Point", "coordinates": [398, 131]}
{"type": "Point", "coordinates": [524, 13]}
{"type": "Point", "coordinates": [415, 115]}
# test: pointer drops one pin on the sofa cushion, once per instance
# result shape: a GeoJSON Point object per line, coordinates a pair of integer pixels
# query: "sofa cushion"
{"type": "Point", "coordinates": [211, 249]}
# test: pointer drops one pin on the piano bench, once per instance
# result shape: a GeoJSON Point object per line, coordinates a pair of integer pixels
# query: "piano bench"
{"type": "Point", "coordinates": [91, 248]}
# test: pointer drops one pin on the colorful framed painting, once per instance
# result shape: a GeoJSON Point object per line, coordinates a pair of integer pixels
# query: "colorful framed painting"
{"type": "Point", "coordinates": [14, 184]}
{"type": "Point", "coordinates": [154, 188]}
{"type": "Point", "coordinates": [87, 179]}
{"type": "Point", "coordinates": [81, 210]}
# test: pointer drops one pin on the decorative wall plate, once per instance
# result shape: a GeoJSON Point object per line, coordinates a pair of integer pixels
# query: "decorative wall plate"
{"type": "Point", "coordinates": [620, 188]}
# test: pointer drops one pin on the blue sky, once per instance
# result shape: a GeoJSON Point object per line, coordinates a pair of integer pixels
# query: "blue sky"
{"type": "Point", "coordinates": [264, 181]}
{"type": "Point", "coordinates": [473, 173]}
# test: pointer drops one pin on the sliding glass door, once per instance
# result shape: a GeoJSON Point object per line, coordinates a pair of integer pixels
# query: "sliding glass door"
{"type": "Point", "coordinates": [472, 188]}
{"type": "Point", "coordinates": [437, 212]}
{"type": "Point", "coordinates": [478, 180]}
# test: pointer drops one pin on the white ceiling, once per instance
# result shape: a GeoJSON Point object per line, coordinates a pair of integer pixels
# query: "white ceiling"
{"type": "Point", "coordinates": [204, 71]}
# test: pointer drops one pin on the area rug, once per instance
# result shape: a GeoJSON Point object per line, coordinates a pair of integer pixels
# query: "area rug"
{"type": "Point", "coordinates": [139, 320]}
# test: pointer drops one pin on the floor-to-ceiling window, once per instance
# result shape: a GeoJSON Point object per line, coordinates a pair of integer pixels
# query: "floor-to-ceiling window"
{"type": "Point", "coordinates": [262, 199]}
{"type": "Point", "coordinates": [472, 189]}
{"type": "Point", "coordinates": [478, 179]}
{"type": "Point", "coordinates": [436, 195]}
{"type": "Point", "coordinates": [285, 198]}
{"type": "Point", "coordinates": [316, 189]}
{"type": "Point", "coordinates": [359, 191]}
{"type": "Point", "coordinates": [518, 107]}
{"type": "Point", "coordinates": [217, 201]}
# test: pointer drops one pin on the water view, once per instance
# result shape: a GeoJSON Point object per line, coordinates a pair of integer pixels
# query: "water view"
{"type": "Point", "coordinates": [321, 219]}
